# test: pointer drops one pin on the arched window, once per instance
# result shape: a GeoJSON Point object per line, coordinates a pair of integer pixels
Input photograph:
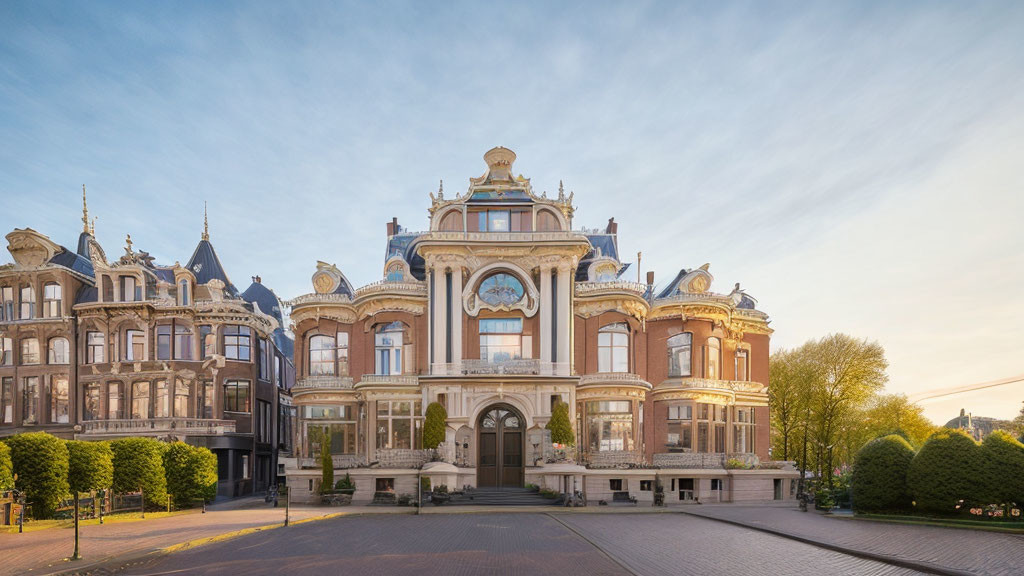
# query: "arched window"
{"type": "Point", "coordinates": [606, 272]}
{"type": "Point", "coordinates": [742, 372]}
{"type": "Point", "coordinates": [714, 371]}
{"type": "Point", "coordinates": [129, 289]}
{"type": "Point", "coordinates": [30, 351]}
{"type": "Point", "coordinates": [28, 303]}
{"type": "Point", "coordinates": [679, 354]}
{"type": "Point", "coordinates": [140, 400]}
{"type": "Point", "coordinates": [181, 398]}
{"type": "Point", "coordinates": [59, 351]}
{"type": "Point", "coordinates": [451, 222]}
{"type": "Point", "coordinates": [613, 348]}
{"type": "Point", "coordinates": [183, 293]}
{"type": "Point", "coordinates": [395, 273]}
{"type": "Point", "coordinates": [321, 355]}
{"type": "Point", "coordinates": [547, 222]}
{"type": "Point", "coordinates": [108, 289]}
{"type": "Point", "coordinates": [52, 300]}
{"type": "Point", "coordinates": [388, 346]}
{"type": "Point", "coordinates": [501, 289]}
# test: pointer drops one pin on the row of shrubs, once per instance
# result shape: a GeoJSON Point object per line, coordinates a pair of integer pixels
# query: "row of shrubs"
{"type": "Point", "coordinates": [49, 469]}
{"type": "Point", "coordinates": [950, 474]}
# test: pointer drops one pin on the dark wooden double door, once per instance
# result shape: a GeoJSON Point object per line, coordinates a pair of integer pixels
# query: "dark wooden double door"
{"type": "Point", "coordinates": [500, 462]}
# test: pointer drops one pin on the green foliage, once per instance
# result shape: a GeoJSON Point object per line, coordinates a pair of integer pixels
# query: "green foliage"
{"type": "Point", "coordinates": [138, 464]}
{"type": "Point", "coordinates": [1003, 460]}
{"type": "Point", "coordinates": [441, 489]}
{"type": "Point", "coordinates": [560, 426]}
{"type": "Point", "coordinates": [6, 468]}
{"type": "Point", "coordinates": [90, 465]}
{"type": "Point", "coordinates": [736, 464]}
{"type": "Point", "coordinates": [879, 482]}
{"type": "Point", "coordinates": [191, 473]}
{"type": "Point", "coordinates": [945, 472]}
{"type": "Point", "coordinates": [434, 425]}
{"type": "Point", "coordinates": [41, 463]}
{"type": "Point", "coordinates": [346, 483]}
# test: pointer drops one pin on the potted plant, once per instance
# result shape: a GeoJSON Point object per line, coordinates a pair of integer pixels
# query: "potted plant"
{"type": "Point", "coordinates": [440, 495]}
{"type": "Point", "coordinates": [346, 485]}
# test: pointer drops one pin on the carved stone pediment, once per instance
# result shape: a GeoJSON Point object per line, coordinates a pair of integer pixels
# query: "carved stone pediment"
{"type": "Point", "coordinates": [30, 249]}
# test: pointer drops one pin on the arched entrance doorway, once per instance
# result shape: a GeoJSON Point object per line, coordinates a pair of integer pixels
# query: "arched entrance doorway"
{"type": "Point", "coordinates": [500, 460]}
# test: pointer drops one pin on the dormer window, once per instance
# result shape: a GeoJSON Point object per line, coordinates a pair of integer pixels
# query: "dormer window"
{"type": "Point", "coordinates": [129, 289]}
{"type": "Point", "coordinates": [395, 273]}
{"type": "Point", "coordinates": [52, 300]}
{"type": "Point", "coordinates": [184, 297]}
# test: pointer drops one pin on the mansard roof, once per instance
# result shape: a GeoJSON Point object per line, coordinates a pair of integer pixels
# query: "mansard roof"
{"type": "Point", "coordinates": [403, 243]}
{"type": "Point", "coordinates": [83, 244]}
{"type": "Point", "coordinates": [206, 266]}
{"type": "Point", "coordinates": [72, 261]}
{"type": "Point", "coordinates": [265, 298]}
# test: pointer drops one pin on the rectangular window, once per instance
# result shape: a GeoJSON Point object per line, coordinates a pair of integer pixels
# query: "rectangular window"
{"type": "Point", "coordinates": [610, 425]}
{"type": "Point", "coordinates": [115, 401]}
{"type": "Point", "coordinates": [208, 340]}
{"type": "Point", "coordinates": [95, 352]}
{"type": "Point", "coordinates": [204, 400]}
{"type": "Point", "coordinates": [388, 346]}
{"type": "Point", "coordinates": [237, 343]}
{"type": "Point", "coordinates": [615, 484]}
{"type": "Point", "coordinates": [91, 405]}
{"type": "Point", "coordinates": [686, 488]}
{"type": "Point", "coordinates": [28, 303]}
{"type": "Point", "coordinates": [140, 400]}
{"type": "Point", "coordinates": [236, 396]}
{"type": "Point", "coordinates": [245, 466]}
{"type": "Point", "coordinates": [501, 339]}
{"type": "Point", "coordinates": [398, 424]}
{"type": "Point", "coordinates": [613, 349]}
{"type": "Point", "coordinates": [646, 485]}
{"type": "Point", "coordinates": [30, 351]}
{"type": "Point", "coordinates": [263, 421]}
{"type": "Point", "coordinates": [6, 352]}
{"type": "Point", "coordinates": [161, 400]}
{"type": "Point", "coordinates": [278, 374]}
{"type": "Point", "coordinates": [743, 430]}
{"type": "Point", "coordinates": [29, 399]}
{"type": "Point", "coordinates": [60, 400]}
{"type": "Point", "coordinates": [264, 359]}
{"type": "Point", "coordinates": [741, 365]}
{"type": "Point", "coordinates": [342, 353]}
{"type": "Point", "coordinates": [713, 371]}
{"type": "Point", "coordinates": [182, 343]}
{"type": "Point", "coordinates": [6, 303]}
{"type": "Point", "coordinates": [129, 290]}
{"type": "Point", "coordinates": [163, 342]}
{"type": "Point", "coordinates": [680, 430]}
{"type": "Point", "coordinates": [7, 401]}
{"type": "Point", "coordinates": [52, 301]}
{"type": "Point", "coordinates": [343, 437]}
{"type": "Point", "coordinates": [135, 346]}
{"type": "Point", "coordinates": [182, 397]}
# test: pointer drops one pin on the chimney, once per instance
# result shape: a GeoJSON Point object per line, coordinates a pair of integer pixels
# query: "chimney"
{"type": "Point", "coordinates": [613, 226]}
{"type": "Point", "coordinates": [393, 227]}
{"type": "Point", "coordinates": [650, 277]}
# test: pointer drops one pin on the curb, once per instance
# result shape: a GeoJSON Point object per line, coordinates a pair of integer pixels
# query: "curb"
{"type": "Point", "coordinates": [884, 558]}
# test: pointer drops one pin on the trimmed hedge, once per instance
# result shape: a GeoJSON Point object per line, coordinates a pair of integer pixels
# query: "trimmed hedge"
{"type": "Point", "coordinates": [879, 481]}
{"type": "Point", "coordinates": [41, 463]}
{"type": "Point", "coordinates": [1003, 458]}
{"type": "Point", "coordinates": [560, 426]}
{"type": "Point", "coordinates": [138, 463]}
{"type": "Point", "coordinates": [191, 473]}
{"type": "Point", "coordinates": [945, 471]}
{"type": "Point", "coordinates": [434, 425]}
{"type": "Point", "coordinates": [90, 466]}
{"type": "Point", "coordinates": [6, 468]}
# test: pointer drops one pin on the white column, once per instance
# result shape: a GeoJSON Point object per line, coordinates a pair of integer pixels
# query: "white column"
{"type": "Point", "coordinates": [440, 320]}
{"type": "Point", "coordinates": [564, 318]}
{"type": "Point", "coordinates": [545, 314]}
{"type": "Point", "coordinates": [456, 318]}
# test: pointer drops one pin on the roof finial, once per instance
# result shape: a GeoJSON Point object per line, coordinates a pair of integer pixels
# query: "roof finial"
{"type": "Point", "coordinates": [206, 224]}
{"type": "Point", "coordinates": [85, 212]}
{"type": "Point", "coordinates": [128, 243]}
{"type": "Point", "coordinates": [92, 226]}
{"type": "Point", "coordinates": [440, 190]}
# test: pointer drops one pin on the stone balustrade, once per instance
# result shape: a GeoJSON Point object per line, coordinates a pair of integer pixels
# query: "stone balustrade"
{"type": "Point", "coordinates": [588, 288]}
{"type": "Point", "coordinates": [517, 367]}
{"type": "Point", "coordinates": [154, 426]}
{"type": "Point", "coordinates": [323, 382]}
{"type": "Point", "coordinates": [388, 380]}
{"type": "Point", "coordinates": [613, 379]}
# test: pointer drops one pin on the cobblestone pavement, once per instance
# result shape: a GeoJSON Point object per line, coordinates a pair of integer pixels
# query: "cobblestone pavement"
{"type": "Point", "coordinates": [45, 551]}
{"type": "Point", "coordinates": [969, 551]}
{"type": "Point", "coordinates": [510, 544]}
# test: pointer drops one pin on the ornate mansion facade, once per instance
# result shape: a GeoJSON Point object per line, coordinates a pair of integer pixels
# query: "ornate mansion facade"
{"type": "Point", "coordinates": [499, 311]}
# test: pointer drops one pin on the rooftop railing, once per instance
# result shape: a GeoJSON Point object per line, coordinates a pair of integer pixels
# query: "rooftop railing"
{"type": "Point", "coordinates": [143, 426]}
{"type": "Point", "coordinates": [322, 382]}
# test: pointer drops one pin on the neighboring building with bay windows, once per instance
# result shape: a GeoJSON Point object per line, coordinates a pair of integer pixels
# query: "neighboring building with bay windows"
{"type": "Point", "coordinates": [499, 311]}
{"type": "Point", "coordinates": [99, 349]}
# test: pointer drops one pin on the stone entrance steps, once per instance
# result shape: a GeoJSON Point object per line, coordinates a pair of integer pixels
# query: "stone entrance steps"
{"type": "Point", "coordinates": [501, 497]}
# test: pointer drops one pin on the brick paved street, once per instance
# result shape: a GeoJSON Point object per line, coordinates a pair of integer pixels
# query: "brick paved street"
{"type": "Point", "coordinates": [971, 551]}
{"type": "Point", "coordinates": [509, 544]}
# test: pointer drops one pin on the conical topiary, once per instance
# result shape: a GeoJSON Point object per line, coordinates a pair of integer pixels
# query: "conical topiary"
{"type": "Point", "coordinates": [560, 426]}
{"type": "Point", "coordinates": [434, 425]}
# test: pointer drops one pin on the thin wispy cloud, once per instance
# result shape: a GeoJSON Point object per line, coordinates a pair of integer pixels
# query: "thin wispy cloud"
{"type": "Point", "coordinates": [852, 165]}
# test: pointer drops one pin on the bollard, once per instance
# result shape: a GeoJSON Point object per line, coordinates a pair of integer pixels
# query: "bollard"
{"type": "Point", "coordinates": [287, 504]}
{"type": "Point", "coordinates": [76, 556]}
{"type": "Point", "coordinates": [168, 503]}
{"type": "Point", "coordinates": [142, 505]}
{"type": "Point", "coordinates": [103, 502]}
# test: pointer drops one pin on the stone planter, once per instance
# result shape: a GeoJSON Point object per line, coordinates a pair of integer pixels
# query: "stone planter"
{"type": "Point", "coordinates": [335, 499]}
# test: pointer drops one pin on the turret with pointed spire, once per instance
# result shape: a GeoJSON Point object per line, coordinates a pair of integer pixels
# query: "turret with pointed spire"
{"type": "Point", "coordinates": [206, 225]}
{"type": "Point", "coordinates": [87, 231]}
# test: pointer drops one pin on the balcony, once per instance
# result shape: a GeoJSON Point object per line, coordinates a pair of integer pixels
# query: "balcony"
{"type": "Point", "coordinates": [323, 382]}
{"type": "Point", "coordinates": [613, 379]}
{"type": "Point", "coordinates": [392, 380]}
{"type": "Point", "coordinates": [158, 426]}
{"type": "Point", "coordinates": [386, 287]}
{"type": "Point", "coordinates": [686, 383]}
{"type": "Point", "coordinates": [530, 237]}
{"type": "Point", "coordinates": [517, 367]}
{"type": "Point", "coordinates": [594, 288]}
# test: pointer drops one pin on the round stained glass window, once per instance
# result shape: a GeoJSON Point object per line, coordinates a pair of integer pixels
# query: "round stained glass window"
{"type": "Point", "coordinates": [501, 290]}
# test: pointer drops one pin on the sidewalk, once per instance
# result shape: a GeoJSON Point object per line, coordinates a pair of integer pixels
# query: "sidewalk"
{"type": "Point", "coordinates": [935, 549]}
{"type": "Point", "coordinates": [45, 551]}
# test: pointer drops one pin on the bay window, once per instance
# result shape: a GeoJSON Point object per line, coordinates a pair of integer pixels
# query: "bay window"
{"type": "Point", "coordinates": [321, 356]}
{"type": "Point", "coordinates": [610, 425]}
{"type": "Point", "coordinates": [398, 424]}
{"type": "Point", "coordinates": [337, 421]}
{"type": "Point", "coordinates": [613, 348]}
{"type": "Point", "coordinates": [743, 429]}
{"type": "Point", "coordinates": [680, 428]}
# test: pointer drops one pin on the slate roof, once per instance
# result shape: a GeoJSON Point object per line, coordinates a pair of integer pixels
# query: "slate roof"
{"type": "Point", "coordinates": [87, 294]}
{"type": "Point", "coordinates": [83, 244]}
{"type": "Point", "coordinates": [264, 298]}
{"type": "Point", "coordinates": [404, 244]}
{"type": "Point", "coordinates": [673, 286]}
{"type": "Point", "coordinates": [73, 261]}
{"type": "Point", "coordinates": [609, 245]}
{"type": "Point", "coordinates": [206, 266]}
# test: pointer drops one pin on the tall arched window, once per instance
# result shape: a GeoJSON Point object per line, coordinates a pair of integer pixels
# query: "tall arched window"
{"type": "Point", "coordinates": [714, 371]}
{"type": "Point", "coordinates": [451, 222]}
{"type": "Point", "coordinates": [59, 351]}
{"type": "Point", "coordinates": [181, 398]}
{"type": "Point", "coordinates": [28, 303]}
{"type": "Point", "coordinates": [613, 348]}
{"type": "Point", "coordinates": [183, 293]}
{"type": "Point", "coordinates": [679, 354]}
{"type": "Point", "coordinates": [742, 372]}
{"type": "Point", "coordinates": [52, 295]}
{"type": "Point", "coordinates": [108, 289]}
{"type": "Point", "coordinates": [547, 222]}
{"type": "Point", "coordinates": [388, 347]}
{"type": "Point", "coordinates": [321, 356]}
{"type": "Point", "coordinates": [140, 400]}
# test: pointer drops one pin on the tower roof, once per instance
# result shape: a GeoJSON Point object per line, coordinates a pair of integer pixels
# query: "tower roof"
{"type": "Point", "coordinates": [206, 266]}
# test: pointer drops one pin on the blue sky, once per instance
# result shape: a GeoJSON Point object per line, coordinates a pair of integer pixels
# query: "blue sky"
{"type": "Point", "coordinates": [857, 167]}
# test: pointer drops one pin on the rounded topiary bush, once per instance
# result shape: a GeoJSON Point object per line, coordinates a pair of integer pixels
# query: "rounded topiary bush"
{"type": "Point", "coordinates": [879, 481]}
{"type": "Point", "coordinates": [6, 468]}
{"type": "Point", "coordinates": [90, 465]}
{"type": "Point", "coordinates": [1003, 460]}
{"type": "Point", "coordinates": [138, 464]}
{"type": "Point", "coordinates": [434, 425]}
{"type": "Point", "coordinates": [191, 474]}
{"type": "Point", "coordinates": [945, 472]}
{"type": "Point", "coordinates": [41, 463]}
{"type": "Point", "coordinates": [560, 426]}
